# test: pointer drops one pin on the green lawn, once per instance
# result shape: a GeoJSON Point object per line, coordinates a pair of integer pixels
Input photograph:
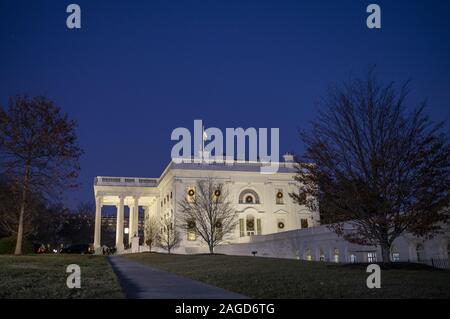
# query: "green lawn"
{"type": "Point", "coordinates": [280, 278]}
{"type": "Point", "coordinates": [44, 276]}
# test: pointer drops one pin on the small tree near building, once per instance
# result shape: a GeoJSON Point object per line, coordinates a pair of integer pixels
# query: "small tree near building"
{"type": "Point", "coordinates": [208, 212]}
{"type": "Point", "coordinates": [169, 236]}
{"type": "Point", "coordinates": [151, 231]}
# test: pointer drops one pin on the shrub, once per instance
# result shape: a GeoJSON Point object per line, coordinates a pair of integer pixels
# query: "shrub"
{"type": "Point", "coordinates": [8, 245]}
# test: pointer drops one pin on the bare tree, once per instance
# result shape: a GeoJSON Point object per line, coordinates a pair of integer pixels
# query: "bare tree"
{"type": "Point", "coordinates": [151, 231]}
{"type": "Point", "coordinates": [169, 236]}
{"type": "Point", "coordinates": [208, 212]}
{"type": "Point", "coordinates": [372, 162]}
{"type": "Point", "coordinates": [38, 150]}
{"type": "Point", "coordinates": [9, 208]}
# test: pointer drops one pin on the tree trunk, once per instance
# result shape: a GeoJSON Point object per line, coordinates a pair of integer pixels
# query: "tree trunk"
{"type": "Point", "coordinates": [211, 249]}
{"type": "Point", "coordinates": [18, 250]}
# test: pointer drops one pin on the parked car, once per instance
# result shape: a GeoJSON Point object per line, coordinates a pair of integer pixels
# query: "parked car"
{"type": "Point", "coordinates": [78, 249]}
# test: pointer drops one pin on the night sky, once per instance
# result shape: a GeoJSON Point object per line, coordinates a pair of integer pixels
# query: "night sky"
{"type": "Point", "coordinates": [138, 69]}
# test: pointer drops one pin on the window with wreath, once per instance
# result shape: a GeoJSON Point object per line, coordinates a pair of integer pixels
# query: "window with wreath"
{"type": "Point", "coordinates": [219, 228]}
{"type": "Point", "coordinates": [279, 197]}
{"type": "Point", "coordinates": [190, 194]}
{"type": "Point", "coordinates": [191, 233]}
{"type": "Point", "coordinates": [250, 226]}
{"type": "Point", "coordinates": [281, 225]}
{"type": "Point", "coordinates": [248, 196]}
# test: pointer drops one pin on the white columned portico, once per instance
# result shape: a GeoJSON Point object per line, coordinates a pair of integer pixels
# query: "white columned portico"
{"type": "Point", "coordinates": [119, 225]}
{"type": "Point", "coordinates": [121, 192]}
{"type": "Point", "coordinates": [98, 223]}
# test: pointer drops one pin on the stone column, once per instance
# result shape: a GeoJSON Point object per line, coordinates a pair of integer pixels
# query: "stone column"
{"type": "Point", "coordinates": [136, 216]}
{"type": "Point", "coordinates": [119, 225]}
{"type": "Point", "coordinates": [98, 224]}
{"type": "Point", "coordinates": [130, 223]}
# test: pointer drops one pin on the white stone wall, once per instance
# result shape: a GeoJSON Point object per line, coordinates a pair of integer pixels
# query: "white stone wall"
{"type": "Point", "coordinates": [265, 185]}
{"type": "Point", "coordinates": [320, 241]}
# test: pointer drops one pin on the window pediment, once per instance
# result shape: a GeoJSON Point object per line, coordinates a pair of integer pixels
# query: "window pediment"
{"type": "Point", "coordinates": [280, 211]}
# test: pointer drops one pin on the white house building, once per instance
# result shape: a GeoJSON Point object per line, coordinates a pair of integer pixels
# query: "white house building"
{"type": "Point", "coordinates": [270, 223]}
{"type": "Point", "coordinates": [262, 202]}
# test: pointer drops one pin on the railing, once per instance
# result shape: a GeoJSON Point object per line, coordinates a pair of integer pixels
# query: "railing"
{"type": "Point", "coordinates": [125, 181]}
{"type": "Point", "coordinates": [440, 263]}
{"type": "Point", "coordinates": [231, 162]}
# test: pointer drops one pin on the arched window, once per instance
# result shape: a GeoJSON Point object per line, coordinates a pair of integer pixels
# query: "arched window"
{"type": "Point", "coordinates": [248, 196]}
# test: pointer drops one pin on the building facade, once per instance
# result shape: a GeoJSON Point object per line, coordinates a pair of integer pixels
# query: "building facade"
{"type": "Point", "coordinates": [269, 222]}
{"type": "Point", "coordinates": [262, 202]}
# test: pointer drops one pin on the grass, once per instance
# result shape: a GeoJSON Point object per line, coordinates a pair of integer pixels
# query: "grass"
{"type": "Point", "coordinates": [259, 277]}
{"type": "Point", "coordinates": [44, 276]}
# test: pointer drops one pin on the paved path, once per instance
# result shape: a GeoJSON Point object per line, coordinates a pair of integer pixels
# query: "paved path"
{"type": "Point", "coordinates": [143, 282]}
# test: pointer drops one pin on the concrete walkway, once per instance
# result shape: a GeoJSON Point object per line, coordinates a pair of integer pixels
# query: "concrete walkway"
{"type": "Point", "coordinates": [143, 282]}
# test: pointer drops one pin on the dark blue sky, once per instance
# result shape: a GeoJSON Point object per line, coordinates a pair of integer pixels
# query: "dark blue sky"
{"type": "Point", "coordinates": [138, 69]}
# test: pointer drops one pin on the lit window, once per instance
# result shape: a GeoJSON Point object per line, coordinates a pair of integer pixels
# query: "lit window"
{"type": "Point", "coordinates": [258, 226]}
{"type": "Point", "coordinates": [248, 196]}
{"type": "Point", "coordinates": [250, 226]}
{"type": "Point", "coordinates": [321, 255]}
{"type": "Point", "coordinates": [352, 258]}
{"type": "Point", "coordinates": [191, 233]}
{"type": "Point", "coordinates": [308, 255]}
{"type": "Point", "coordinates": [279, 197]}
{"type": "Point", "coordinates": [191, 194]}
{"type": "Point", "coordinates": [372, 257]}
{"type": "Point", "coordinates": [395, 257]}
{"type": "Point", "coordinates": [241, 227]}
{"type": "Point", "coordinates": [336, 255]}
